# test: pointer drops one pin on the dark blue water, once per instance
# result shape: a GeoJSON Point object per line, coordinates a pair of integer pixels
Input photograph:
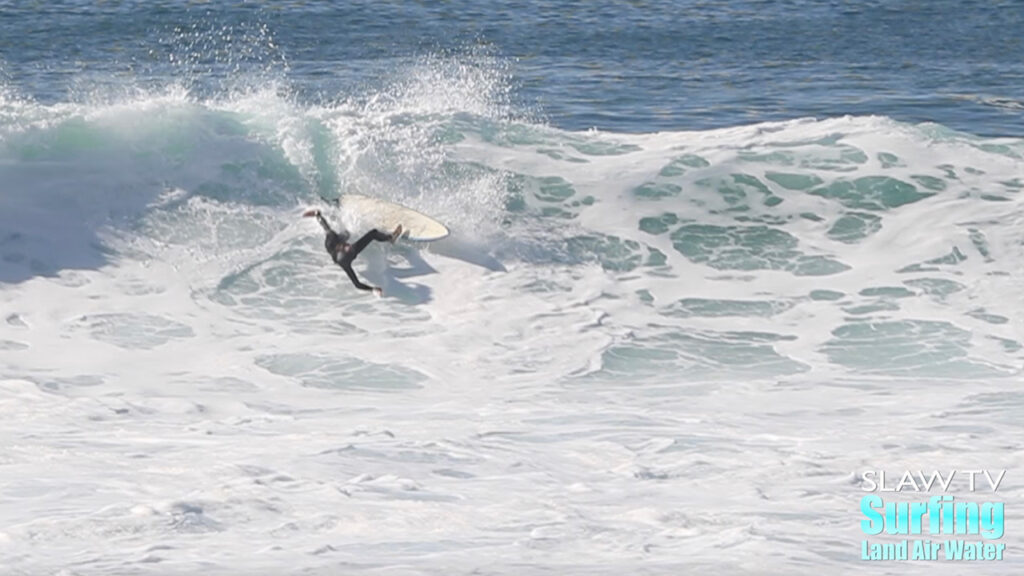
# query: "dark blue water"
{"type": "Point", "coordinates": [620, 66]}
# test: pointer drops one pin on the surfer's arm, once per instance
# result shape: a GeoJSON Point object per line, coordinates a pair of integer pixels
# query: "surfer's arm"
{"type": "Point", "coordinates": [319, 218]}
{"type": "Point", "coordinates": [323, 222]}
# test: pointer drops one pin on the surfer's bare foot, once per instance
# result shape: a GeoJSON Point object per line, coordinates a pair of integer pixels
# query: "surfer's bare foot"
{"type": "Point", "coordinates": [396, 234]}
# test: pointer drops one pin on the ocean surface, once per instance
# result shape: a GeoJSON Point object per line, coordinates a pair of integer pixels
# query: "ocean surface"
{"type": "Point", "coordinates": [710, 262]}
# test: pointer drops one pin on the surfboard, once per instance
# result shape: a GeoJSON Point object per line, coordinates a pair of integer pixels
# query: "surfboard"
{"type": "Point", "coordinates": [385, 216]}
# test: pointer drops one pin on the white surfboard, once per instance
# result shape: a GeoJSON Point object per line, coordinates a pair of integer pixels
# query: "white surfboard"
{"type": "Point", "coordinates": [385, 216]}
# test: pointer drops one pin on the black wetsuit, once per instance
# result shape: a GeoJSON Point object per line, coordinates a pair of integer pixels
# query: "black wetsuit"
{"type": "Point", "coordinates": [333, 243]}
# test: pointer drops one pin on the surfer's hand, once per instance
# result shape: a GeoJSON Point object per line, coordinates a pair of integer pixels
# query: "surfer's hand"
{"type": "Point", "coordinates": [377, 291]}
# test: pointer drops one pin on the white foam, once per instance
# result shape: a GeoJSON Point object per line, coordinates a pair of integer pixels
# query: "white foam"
{"type": "Point", "coordinates": [195, 385]}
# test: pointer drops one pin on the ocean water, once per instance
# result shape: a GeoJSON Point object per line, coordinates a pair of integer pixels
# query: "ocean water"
{"type": "Point", "coordinates": [710, 262]}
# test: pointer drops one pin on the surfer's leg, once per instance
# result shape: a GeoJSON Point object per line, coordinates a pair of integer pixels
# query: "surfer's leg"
{"type": "Point", "coordinates": [365, 241]}
{"type": "Point", "coordinates": [347, 266]}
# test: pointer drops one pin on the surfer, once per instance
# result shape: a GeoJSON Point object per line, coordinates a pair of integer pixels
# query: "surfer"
{"type": "Point", "coordinates": [344, 253]}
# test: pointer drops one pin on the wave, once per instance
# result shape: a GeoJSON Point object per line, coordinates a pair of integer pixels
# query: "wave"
{"type": "Point", "coordinates": [879, 226]}
{"type": "Point", "coordinates": [74, 171]}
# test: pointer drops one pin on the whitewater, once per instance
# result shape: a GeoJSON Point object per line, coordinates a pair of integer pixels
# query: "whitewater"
{"type": "Point", "coordinates": [645, 353]}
